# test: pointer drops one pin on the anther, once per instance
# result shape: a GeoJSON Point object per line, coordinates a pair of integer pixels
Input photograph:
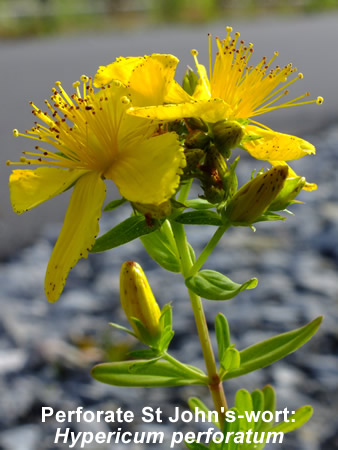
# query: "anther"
{"type": "Point", "coordinates": [84, 78]}
{"type": "Point", "coordinates": [125, 100]}
{"type": "Point", "coordinates": [194, 52]}
{"type": "Point", "coordinates": [15, 133]}
{"type": "Point", "coordinates": [300, 76]}
{"type": "Point", "coordinates": [319, 100]}
{"type": "Point", "coordinates": [76, 84]}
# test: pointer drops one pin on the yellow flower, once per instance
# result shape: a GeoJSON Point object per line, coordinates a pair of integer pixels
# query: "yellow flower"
{"type": "Point", "coordinates": [93, 139]}
{"type": "Point", "coordinates": [236, 90]}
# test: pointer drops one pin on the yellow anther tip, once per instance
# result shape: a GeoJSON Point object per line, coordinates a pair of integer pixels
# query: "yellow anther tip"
{"type": "Point", "coordinates": [125, 100]}
{"type": "Point", "coordinates": [117, 83]}
{"type": "Point", "coordinates": [22, 159]}
{"type": "Point", "coordinates": [84, 78]}
{"type": "Point", "coordinates": [57, 83]}
{"type": "Point", "coordinates": [15, 133]}
{"type": "Point", "coordinates": [229, 29]}
{"type": "Point", "coordinates": [300, 76]}
{"type": "Point", "coordinates": [76, 84]}
{"type": "Point", "coordinates": [276, 53]}
{"type": "Point", "coordinates": [319, 100]}
{"type": "Point", "coordinates": [194, 52]}
{"type": "Point", "coordinates": [8, 163]}
{"type": "Point", "coordinates": [237, 34]}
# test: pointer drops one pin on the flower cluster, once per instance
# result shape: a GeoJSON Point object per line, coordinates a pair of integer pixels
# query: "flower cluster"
{"type": "Point", "coordinates": [136, 126]}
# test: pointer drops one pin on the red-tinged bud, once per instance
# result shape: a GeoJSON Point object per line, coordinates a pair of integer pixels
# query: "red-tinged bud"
{"type": "Point", "coordinates": [255, 197]}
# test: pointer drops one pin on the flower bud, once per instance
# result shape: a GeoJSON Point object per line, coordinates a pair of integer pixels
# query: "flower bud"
{"type": "Point", "coordinates": [138, 301]}
{"type": "Point", "coordinates": [198, 139]}
{"type": "Point", "coordinates": [230, 181]}
{"type": "Point", "coordinates": [215, 161]}
{"type": "Point", "coordinates": [227, 135]}
{"type": "Point", "coordinates": [287, 195]}
{"type": "Point", "coordinates": [190, 81]}
{"type": "Point", "coordinates": [154, 211]}
{"type": "Point", "coordinates": [255, 197]}
{"type": "Point", "coordinates": [196, 124]}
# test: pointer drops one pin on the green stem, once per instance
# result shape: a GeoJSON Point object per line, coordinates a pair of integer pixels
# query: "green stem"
{"type": "Point", "coordinates": [208, 249]}
{"type": "Point", "coordinates": [184, 368]}
{"type": "Point", "coordinates": [215, 384]}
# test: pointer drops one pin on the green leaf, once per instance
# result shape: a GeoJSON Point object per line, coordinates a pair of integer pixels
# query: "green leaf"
{"type": "Point", "coordinates": [199, 203]}
{"type": "Point", "coordinates": [161, 247]}
{"type": "Point", "coordinates": [243, 402]}
{"type": "Point", "coordinates": [136, 374]}
{"type": "Point", "coordinates": [231, 427]}
{"type": "Point", "coordinates": [199, 218]}
{"type": "Point", "coordinates": [114, 204]}
{"type": "Point", "coordinates": [257, 397]}
{"type": "Point", "coordinates": [296, 420]}
{"type": "Point", "coordinates": [215, 286]}
{"type": "Point", "coordinates": [270, 217]}
{"type": "Point", "coordinates": [195, 403]}
{"type": "Point", "coordinates": [124, 232]}
{"type": "Point", "coordinates": [222, 335]}
{"type": "Point", "coordinates": [231, 359]}
{"type": "Point", "coordinates": [269, 398]}
{"type": "Point", "coordinates": [267, 352]}
{"type": "Point", "coordinates": [148, 353]}
{"type": "Point", "coordinates": [196, 446]}
{"type": "Point", "coordinates": [121, 328]}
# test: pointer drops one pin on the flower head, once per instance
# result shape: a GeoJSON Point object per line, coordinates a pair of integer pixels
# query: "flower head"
{"type": "Point", "coordinates": [91, 138]}
{"type": "Point", "coordinates": [235, 90]}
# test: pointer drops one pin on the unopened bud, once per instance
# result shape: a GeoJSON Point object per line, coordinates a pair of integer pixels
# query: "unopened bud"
{"type": "Point", "coordinates": [255, 197]}
{"type": "Point", "coordinates": [287, 195]}
{"type": "Point", "coordinates": [193, 158]}
{"type": "Point", "coordinates": [198, 139]}
{"type": "Point", "coordinates": [138, 301]}
{"type": "Point", "coordinates": [154, 211]}
{"type": "Point", "coordinates": [195, 123]}
{"type": "Point", "coordinates": [215, 161]}
{"type": "Point", "coordinates": [227, 135]}
{"type": "Point", "coordinates": [190, 81]}
{"type": "Point", "coordinates": [214, 194]}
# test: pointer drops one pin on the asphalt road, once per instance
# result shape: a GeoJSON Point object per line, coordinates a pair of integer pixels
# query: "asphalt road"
{"type": "Point", "coordinates": [29, 68]}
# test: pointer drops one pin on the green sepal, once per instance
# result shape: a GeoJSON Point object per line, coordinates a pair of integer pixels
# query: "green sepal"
{"type": "Point", "coordinates": [190, 81]}
{"type": "Point", "coordinates": [161, 247]}
{"type": "Point", "coordinates": [195, 403]}
{"type": "Point", "coordinates": [160, 373]}
{"type": "Point", "coordinates": [271, 350]}
{"type": "Point", "coordinates": [199, 217]}
{"type": "Point", "coordinates": [199, 203]}
{"type": "Point", "coordinates": [222, 335]}
{"type": "Point", "coordinates": [124, 232]}
{"type": "Point", "coordinates": [300, 417]}
{"type": "Point", "coordinates": [269, 217]}
{"type": "Point", "coordinates": [121, 328]}
{"type": "Point", "coordinates": [167, 332]}
{"type": "Point", "coordinates": [213, 285]}
{"type": "Point", "coordinates": [114, 204]}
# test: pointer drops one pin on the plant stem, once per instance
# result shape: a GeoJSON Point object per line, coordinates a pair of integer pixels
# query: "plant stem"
{"type": "Point", "coordinates": [215, 384]}
{"type": "Point", "coordinates": [208, 249]}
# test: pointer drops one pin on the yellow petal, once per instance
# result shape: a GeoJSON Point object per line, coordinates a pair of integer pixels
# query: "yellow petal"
{"type": "Point", "coordinates": [177, 94]}
{"type": "Point", "coordinates": [78, 232]}
{"type": "Point", "coordinates": [148, 171]}
{"type": "Point", "coordinates": [292, 174]}
{"type": "Point", "coordinates": [29, 188]}
{"type": "Point", "coordinates": [212, 111]}
{"type": "Point", "coordinates": [274, 146]}
{"type": "Point", "coordinates": [151, 80]}
{"type": "Point", "coordinates": [120, 70]}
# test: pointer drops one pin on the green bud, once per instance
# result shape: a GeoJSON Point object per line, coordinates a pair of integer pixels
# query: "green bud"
{"type": "Point", "coordinates": [227, 135]}
{"type": "Point", "coordinates": [291, 189]}
{"type": "Point", "coordinates": [154, 211]}
{"type": "Point", "coordinates": [230, 181]}
{"type": "Point", "coordinates": [190, 81]}
{"type": "Point", "coordinates": [255, 197]}
{"type": "Point", "coordinates": [196, 124]}
{"type": "Point", "coordinates": [198, 139]}
{"type": "Point", "coordinates": [213, 194]}
{"type": "Point", "coordinates": [193, 157]}
{"type": "Point", "coordinates": [215, 161]}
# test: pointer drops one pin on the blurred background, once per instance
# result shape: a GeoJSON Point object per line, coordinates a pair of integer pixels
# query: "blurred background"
{"type": "Point", "coordinates": [46, 350]}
